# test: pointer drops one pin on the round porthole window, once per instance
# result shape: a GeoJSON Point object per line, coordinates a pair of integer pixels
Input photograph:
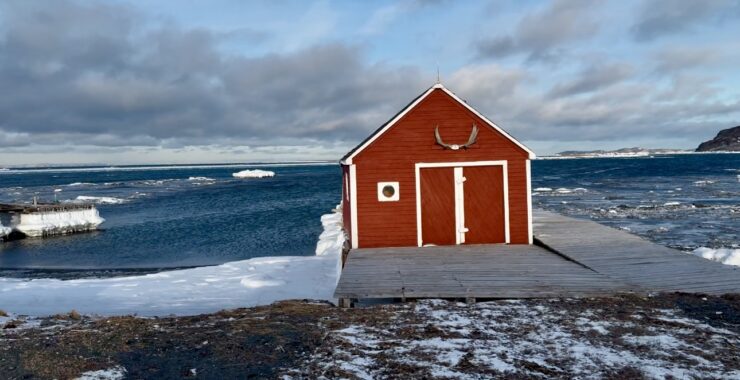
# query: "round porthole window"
{"type": "Point", "coordinates": [389, 191]}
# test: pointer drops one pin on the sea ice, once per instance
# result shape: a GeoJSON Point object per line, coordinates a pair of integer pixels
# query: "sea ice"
{"type": "Point", "coordinates": [246, 283]}
{"type": "Point", "coordinates": [201, 179]}
{"type": "Point", "coordinates": [254, 174]}
{"type": "Point", "coordinates": [59, 222]}
{"type": "Point", "coordinates": [727, 256]}
{"type": "Point", "coordinates": [98, 200]}
{"type": "Point", "coordinates": [4, 230]}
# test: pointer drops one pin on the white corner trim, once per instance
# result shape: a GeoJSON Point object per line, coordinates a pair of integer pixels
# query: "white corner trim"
{"type": "Point", "coordinates": [530, 231]}
{"type": "Point", "coordinates": [348, 160]}
{"type": "Point", "coordinates": [353, 204]}
{"type": "Point", "coordinates": [418, 206]}
{"type": "Point", "coordinates": [506, 201]}
{"type": "Point", "coordinates": [505, 169]}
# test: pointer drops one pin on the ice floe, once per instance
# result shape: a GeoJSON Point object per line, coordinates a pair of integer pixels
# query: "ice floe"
{"type": "Point", "coordinates": [560, 190]}
{"type": "Point", "coordinates": [704, 182]}
{"type": "Point", "coordinates": [4, 230]}
{"type": "Point", "coordinates": [257, 281]}
{"type": "Point", "coordinates": [256, 173]}
{"type": "Point", "coordinates": [98, 200]}
{"type": "Point", "coordinates": [59, 222]}
{"type": "Point", "coordinates": [729, 256]}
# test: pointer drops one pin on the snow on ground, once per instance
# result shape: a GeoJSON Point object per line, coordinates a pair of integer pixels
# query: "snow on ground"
{"type": "Point", "coordinates": [523, 339]}
{"type": "Point", "coordinates": [258, 281]}
{"type": "Point", "coordinates": [254, 174]}
{"type": "Point", "coordinates": [727, 256]}
{"type": "Point", "coordinates": [114, 373]}
{"type": "Point", "coordinates": [59, 222]}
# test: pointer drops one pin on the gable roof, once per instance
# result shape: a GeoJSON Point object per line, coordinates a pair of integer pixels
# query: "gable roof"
{"type": "Point", "coordinates": [347, 159]}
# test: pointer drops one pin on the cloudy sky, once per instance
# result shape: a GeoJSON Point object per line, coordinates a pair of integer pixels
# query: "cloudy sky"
{"type": "Point", "coordinates": [184, 81]}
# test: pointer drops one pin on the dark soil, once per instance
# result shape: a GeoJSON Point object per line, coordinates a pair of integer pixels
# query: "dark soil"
{"type": "Point", "coordinates": [235, 344]}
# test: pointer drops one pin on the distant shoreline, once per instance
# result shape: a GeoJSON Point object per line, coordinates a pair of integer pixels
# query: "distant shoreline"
{"type": "Point", "coordinates": [628, 155]}
{"type": "Point", "coordinates": [102, 168]}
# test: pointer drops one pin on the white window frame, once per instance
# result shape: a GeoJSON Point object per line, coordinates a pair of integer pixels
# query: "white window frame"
{"type": "Point", "coordinates": [396, 195]}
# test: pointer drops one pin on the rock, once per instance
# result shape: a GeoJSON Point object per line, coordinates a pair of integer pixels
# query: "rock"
{"type": "Point", "coordinates": [727, 140]}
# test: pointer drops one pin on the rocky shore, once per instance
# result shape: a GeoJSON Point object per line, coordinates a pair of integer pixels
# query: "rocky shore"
{"type": "Point", "coordinates": [727, 140]}
{"type": "Point", "coordinates": [617, 337]}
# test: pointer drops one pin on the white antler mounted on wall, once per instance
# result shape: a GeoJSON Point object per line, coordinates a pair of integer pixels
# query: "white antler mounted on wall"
{"type": "Point", "coordinates": [471, 140]}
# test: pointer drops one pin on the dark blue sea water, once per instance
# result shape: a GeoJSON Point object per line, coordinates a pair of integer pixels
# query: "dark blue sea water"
{"type": "Point", "coordinates": [682, 201]}
{"type": "Point", "coordinates": [175, 217]}
{"type": "Point", "coordinates": [169, 217]}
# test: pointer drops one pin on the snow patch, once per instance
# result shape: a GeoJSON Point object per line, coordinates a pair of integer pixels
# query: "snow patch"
{"type": "Point", "coordinates": [254, 174]}
{"type": "Point", "coordinates": [114, 373]}
{"type": "Point", "coordinates": [246, 283]}
{"type": "Point", "coordinates": [728, 256]}
{"type": "Point", "coordinates": [520, 340]}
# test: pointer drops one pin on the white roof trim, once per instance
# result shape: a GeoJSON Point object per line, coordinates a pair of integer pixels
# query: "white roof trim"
{"type": "Point", "coordinates": [348, 160]}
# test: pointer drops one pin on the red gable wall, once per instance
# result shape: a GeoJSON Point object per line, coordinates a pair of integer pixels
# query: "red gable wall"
{"type": "Point", "coordinates": [392, 156]}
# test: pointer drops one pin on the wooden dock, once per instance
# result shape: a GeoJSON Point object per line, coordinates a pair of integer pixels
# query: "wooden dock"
{"type": "Point", "coordinates": [632, 259]}
{"type": "Point", "coordinates": [573, 258]}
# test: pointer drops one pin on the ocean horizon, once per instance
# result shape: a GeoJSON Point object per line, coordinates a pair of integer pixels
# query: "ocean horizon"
{"type": "Point", "coordinates": [163, 217]}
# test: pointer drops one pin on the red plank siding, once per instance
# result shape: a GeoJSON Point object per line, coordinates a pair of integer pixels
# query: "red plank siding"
{"type": "Point", "coordinates": [393, 155]}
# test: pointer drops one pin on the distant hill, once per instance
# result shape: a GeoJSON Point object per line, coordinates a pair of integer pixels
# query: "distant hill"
{"type": "Point", "coordinates": [727, 140]}
{"type": "Point", "coordinates": [624, 152]}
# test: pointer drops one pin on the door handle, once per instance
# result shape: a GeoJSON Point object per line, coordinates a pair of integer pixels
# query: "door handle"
{"type": "Point", "coordinates": [464, 230]}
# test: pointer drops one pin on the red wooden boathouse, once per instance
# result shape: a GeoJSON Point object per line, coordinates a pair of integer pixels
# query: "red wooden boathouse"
{"type": "Point", "coordinates": [437, 173]}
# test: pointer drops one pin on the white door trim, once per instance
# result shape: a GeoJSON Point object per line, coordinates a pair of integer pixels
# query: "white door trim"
{"type": "Point", "coordinates": [421, 165]}
{"type": "Point", "coordinates": [460, 229]}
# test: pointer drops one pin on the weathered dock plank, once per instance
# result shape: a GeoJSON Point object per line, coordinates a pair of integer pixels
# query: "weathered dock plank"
{"type": "Point", "coordinates": [479, 271]}
{"type": "Point", "coordinates": [631, 259]}
{"type": "Point", "coordinates": [582, 259]}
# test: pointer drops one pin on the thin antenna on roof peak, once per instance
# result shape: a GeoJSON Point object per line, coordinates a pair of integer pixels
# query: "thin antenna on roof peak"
{"type": "Point", "coordinates": [438, 82]}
